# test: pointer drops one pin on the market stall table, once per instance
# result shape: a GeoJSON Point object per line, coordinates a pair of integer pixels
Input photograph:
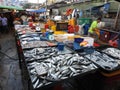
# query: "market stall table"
{"type": "Point", "coordinates": [54, 73]}
{"type": "Point", "coordinates": [56, 67]}
{"type": "Point", "coordinates": [115, 54]}
{"type": "Point", "coordinates": [23, 38]}
{"type": "Point", "coordinates": [47, 66]}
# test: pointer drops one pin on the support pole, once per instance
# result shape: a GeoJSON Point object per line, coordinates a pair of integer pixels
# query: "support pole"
{"type": "Point", "coordinates": [46, 12]}
{"type": "Point", "coordinates": [117, 17]}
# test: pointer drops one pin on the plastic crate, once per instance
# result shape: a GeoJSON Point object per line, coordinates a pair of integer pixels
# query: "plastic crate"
{"type": "Point", "coordinates": [86, 28]}
{"type": "Point", "coordinates": [85, 21]}
{"type": "Point", "coordinates": [60, 46]}
{"type": "Point", "coordinates": [89, 50]}
{"type": "Point", "coordinates": [78, 40]}
{"type": "Point", "coordinates": [60, 32]}
{"type": "Point", "coordinates": [77, 47]}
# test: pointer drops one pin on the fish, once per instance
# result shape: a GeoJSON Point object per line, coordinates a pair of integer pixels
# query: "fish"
{"type": "Point", "coordinates": [36, 83]}
{"type": "Point", "coordinates": [34, 44]}
{"type": "Point", "coordinates": [72, 69]}
{"type": "Point", "coordinates": [63, 66]}
{"type": "Point", "coordinates": [64, 77]}
{"type": "Point", "coordinates": [65, 71]}
{"type": "Point", "coordinates": [35, 78]}
{"type": "Point", "coordinates": [113, 52]}
{"type": "Point", "coordinates": [103, 60]}
{"type": "Point", "coordinates": [75, 74]}
{"type": "Point", "coordinates": [54, 76]}
{"type": "Point", "coordinates": [41, 84]}
{"type": "Point", "coordinates": [32, 71]}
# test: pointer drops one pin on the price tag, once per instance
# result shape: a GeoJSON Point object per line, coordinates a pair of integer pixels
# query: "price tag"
{"type": "Point", "coordinates": [40, 70]}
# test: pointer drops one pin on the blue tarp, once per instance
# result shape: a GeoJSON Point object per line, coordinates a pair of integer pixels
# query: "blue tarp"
{"type": "Point", "coordinates": [97, 8]}
{"type": "Point", "coordinates": [40, 10]}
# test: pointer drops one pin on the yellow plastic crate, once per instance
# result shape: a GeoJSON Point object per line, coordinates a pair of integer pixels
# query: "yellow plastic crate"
{"type": "Point", "coordinates": [60, 32]}
{"type": "Point", "coordinates": [77, 36]}
{"type": "Point", "coordinates": [43, 30]}
{"type": "Point", "coordinates": [53, 28]}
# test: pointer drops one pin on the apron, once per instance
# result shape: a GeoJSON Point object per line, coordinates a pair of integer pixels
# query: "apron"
{"type": "Point", "coordinates": [97, 31]}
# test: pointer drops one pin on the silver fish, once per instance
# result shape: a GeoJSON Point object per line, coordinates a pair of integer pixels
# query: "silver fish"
{"type": "Point", "coordinates": [64, 77]}
{"type": "Point", "coordinates": [36, 83]}
{"type": "Point", "coordinates": [35, 78]}
{"type": "Point", "coordinates": [72, 69]}
{"type": "Point", "coordinates": [113, 52]}
{"type": "Point", "coordinates": [39, 85]}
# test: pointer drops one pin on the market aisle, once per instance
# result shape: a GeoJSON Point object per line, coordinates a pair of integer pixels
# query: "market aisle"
{"type": "Point", "coordinates": [10, 74]}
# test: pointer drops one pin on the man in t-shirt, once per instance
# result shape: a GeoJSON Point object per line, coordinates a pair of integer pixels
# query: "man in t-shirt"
{"type": "Point", "coordinates": [4, 23]}
{"type": "Point", "coordinates": [93, 30]}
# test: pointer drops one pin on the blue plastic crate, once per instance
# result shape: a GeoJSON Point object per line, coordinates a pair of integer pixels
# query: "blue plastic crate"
{"type": "Point", "coordinates": [78, 40]}
{"type": "Point", "coordinates": [60, 46]}
{"type": "Point", "coordinates": [76, 46]}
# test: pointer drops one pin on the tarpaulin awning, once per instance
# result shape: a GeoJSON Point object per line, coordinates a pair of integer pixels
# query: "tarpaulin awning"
{"type": "Point", "coordinates": [31, 10]}
{"type": "Point", "coordinates": [40, 10]}
{"type": "Point", "coordinates": [97, 8]}
{"type": "Point", "coordinates": [57, 5]}
{"type": "Point", "coordinates": [11, 7]}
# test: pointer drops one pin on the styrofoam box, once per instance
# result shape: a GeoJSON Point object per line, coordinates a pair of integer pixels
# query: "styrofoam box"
{"type": "Point", "coordinates": [90, 40]}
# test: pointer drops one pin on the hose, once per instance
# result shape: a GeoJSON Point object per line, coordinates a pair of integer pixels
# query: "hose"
{"type": "Point", "coordinates": [8, 56]}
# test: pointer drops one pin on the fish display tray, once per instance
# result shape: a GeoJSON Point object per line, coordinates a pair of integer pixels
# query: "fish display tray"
{"type": "Point", "coordinates": [111, 51]}
{"type": "Point", "coordinates": [42, 53]}
{"type": "Point", "coordinates": [26, 30]}
{"type": "Point", "coordinates": [29, 39]}
{"type": "Point", "coordinates": [34, 44]}
{"type": "Point", "coordinates": [29, 35]}
{"type": "Point", "coordinates": [25, 38]}
{"type": "Point", "coordinates": [58, 65]}
{"type": "Point", "coordinates": [60, 68]}
{"type": "Point", "coordinates": [104, 61]}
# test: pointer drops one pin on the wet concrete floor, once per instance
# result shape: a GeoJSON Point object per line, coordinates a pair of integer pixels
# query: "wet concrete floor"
{"type": "Point", "coordinates": [10, 73]}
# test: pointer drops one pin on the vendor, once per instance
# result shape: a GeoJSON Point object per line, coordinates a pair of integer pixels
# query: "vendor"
{"type": "Point", "coordinates": [93, 30]}
{"type": "Point", "coordinates": [17, 21]}
{"type": "Point", "coordinates": [115, 41]}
